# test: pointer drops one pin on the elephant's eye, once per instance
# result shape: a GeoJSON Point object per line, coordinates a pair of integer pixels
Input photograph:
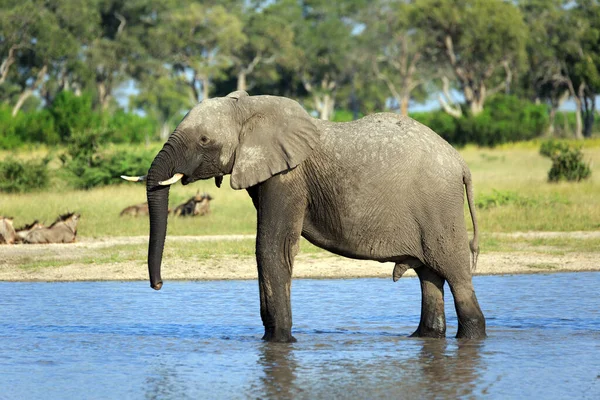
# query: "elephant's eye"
{"type": "Point", "coordinates": [204, 140]}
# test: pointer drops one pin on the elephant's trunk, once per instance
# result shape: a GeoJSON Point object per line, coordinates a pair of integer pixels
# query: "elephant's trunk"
{"type": "Point", "coordinates": [158, 205]}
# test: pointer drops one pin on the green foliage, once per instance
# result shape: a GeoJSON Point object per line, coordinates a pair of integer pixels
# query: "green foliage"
{"type": "Point", "coordinates": [31, 127]}
{"type": "Point", "coordinates": [130, 128]}
{"type": "Point", "coordinates": [73, 113]}
{"type": "Point", "coordinates": [344, 116]}
{"type": "Point", "coordinates": [499, 198]}
{"type": "Point", "coordinates": [18, 176]}
{"type": "Point", "coordinates": [87, 163]}
{"type": "Point", "coordinates": [505, 119]}
{"type": "Point", "coordinates": [567, 162]}
{"type": "Point", "coordinates": [443, 124]}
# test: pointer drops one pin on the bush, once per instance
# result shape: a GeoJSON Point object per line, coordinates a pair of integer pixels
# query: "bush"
{"type": "Point", "coordinates": [567, 161]}
{"type": "Point", "coordinates": [73, 113]}
{"type": "Point", "coordinates": [8, 136]}
{"type": "Point", "coordinates": [130, 128]}
{"type": "Point", "coordinates": [504, 119]}
{"type": "Point", "coordinates": [443, 124]}
{"type": "Point", "coordinates": [87, 164]}
{"type": "Point", "coordinates": [23, 176]}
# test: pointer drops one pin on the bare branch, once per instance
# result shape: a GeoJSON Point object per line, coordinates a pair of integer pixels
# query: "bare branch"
{"type": "Point", "coordinates": [8, 61]}
{"type": "Point", "coordinates": [122, 22]}
{"type": "Point", "coordinates": [445, 100]}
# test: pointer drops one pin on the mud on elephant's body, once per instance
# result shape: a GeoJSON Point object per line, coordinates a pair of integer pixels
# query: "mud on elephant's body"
{"type": "Point", "coordinates": [382, 188]}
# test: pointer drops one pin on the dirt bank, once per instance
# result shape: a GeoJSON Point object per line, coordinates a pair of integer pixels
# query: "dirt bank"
{"type": "Point", "coordinates": [76, 262]}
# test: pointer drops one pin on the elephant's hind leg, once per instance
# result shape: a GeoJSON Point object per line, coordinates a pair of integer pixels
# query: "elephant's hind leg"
{"type": "Point", "coordinates": [471, 322]}
{"type": "Point", "coordinates": [433, 318]}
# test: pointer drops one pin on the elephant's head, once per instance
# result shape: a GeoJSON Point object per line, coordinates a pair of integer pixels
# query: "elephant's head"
{"type": "Point", "coordinates": [250, 137]}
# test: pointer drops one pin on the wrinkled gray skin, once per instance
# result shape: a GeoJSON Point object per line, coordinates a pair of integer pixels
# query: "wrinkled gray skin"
{"type": "Point", "coordinates": [382, 188]}
{"type": "Point", "coordinates": [63, 230]}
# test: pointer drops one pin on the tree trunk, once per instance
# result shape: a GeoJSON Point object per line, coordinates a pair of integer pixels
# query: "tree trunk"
{"type": "Point", "coordinates": [578, 106]}
{"type": "Point", "coordinates": [22, 97]}
{"type": "Point", "coordinates": [404, 104]}
{"type": "Point", "coordinates": [551, 120]}
{"type": "Point", "coordinates": [241, 81]}
{"type": "Point", "coordinates": [103, 94]}
{"type": "Point", "coordinates": [29, 91]}
{"type": "Point", "coordinates": [205, 90]}
{"type": "Point", "coordinates": [589, 108]}
{"type": "Point", "coordinates": [325, 105]}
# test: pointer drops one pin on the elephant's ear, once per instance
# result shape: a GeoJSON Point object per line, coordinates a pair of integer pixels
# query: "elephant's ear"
{"type": "Point", "coordinates": [277, 134]}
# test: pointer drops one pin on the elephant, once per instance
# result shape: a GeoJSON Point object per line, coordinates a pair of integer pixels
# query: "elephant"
{"type": "Point", "coordinates": [383, 188]}
{"type": "Point", "coordinates": [63, 230]}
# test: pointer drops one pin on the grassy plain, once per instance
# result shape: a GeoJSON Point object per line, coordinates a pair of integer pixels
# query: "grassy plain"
{"type": "Point", "coordinates": [510, 184]}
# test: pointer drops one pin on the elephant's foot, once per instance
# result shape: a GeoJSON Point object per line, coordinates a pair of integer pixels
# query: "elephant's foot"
{"type": "Point", "coordinates": [422, 332]}
{"type": "Point", "coordinates": [431, 326]}
{"type": "Point", "coordinates": [278, 335]}
{"type": "Point", "coordinates": [473, 328]}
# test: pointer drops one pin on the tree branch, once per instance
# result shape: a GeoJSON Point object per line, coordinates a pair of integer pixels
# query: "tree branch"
{"type": "Point", "coordinates": [454, 111]}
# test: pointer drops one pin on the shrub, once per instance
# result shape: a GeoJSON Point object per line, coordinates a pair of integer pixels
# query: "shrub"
{"type": "Point", "coordinates": [499, 198]}
{"type": "Point", "coordinates": [442, 123]}
{"type": "Point", "coordinates": [37, 126]}
{"type": "Point", "coordinates": [8, 136]}
{"type": "Point", "coordinates": [87, 164]}
{"type": "Point", "coordinates": [504, 119]}
{"type": "Point", "coordinates": [502, 198]}
{"type": "Point", "coordinates": [73, 113]}
{"type": "Point", "coordinates": [567, 161]}
{"type": "Point", "coordinates": [130, 128]}
{"type": "Point", "coordinates": [23, 176]}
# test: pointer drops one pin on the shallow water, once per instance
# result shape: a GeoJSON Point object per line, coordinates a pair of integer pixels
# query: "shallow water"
{"type": "Point", "coordinates": [97, 340]}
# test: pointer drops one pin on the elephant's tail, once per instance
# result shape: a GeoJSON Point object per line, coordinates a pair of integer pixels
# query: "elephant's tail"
{"type": "Point", "coordinates": [473, 244]}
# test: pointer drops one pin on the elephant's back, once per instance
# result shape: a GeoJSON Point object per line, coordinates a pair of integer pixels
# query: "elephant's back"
{"type": "Point", "coordinates": [388, 141]}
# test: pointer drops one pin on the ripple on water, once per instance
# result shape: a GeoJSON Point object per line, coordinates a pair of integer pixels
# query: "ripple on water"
{"type": "Point", "coordinates": [202, 339]}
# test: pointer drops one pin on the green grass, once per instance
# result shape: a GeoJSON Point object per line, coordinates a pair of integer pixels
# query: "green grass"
{"type": "Point", "coordinates": [510, 185]}
{"type": "Point", "coordinates": [560, 245]}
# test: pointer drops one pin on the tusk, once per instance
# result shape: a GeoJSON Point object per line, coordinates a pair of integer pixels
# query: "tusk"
{"type": "Point", "coordinates": [134, 178]}
{"type": "Point", "coordinates": [171, 181]}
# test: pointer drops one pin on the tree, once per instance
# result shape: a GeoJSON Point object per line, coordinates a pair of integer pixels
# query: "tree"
{"type": "Point", "coordinates": [197, 40]}
{"type": "Point", "coordinates": [483, 41]}
{"type": "Point", "coordinates": [115, 53]}
{"type": "Point", "coordinates": [399, 57]}
{"type": "Point", "coordinates": [587, 66]}
{"type": "Point", "coordinates": [326, 37]}
{"type": "Point", "coordinates": [549, 35]}
{"type": "Point", "coordinates": [270, 41]}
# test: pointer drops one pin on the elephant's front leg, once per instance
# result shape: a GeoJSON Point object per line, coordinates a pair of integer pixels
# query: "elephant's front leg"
{"type": "Point", "coordinates": [279, 228]}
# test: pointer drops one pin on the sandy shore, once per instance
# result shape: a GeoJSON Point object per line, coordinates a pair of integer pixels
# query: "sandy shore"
{"type": "Point", "coordinates": [65, 264]}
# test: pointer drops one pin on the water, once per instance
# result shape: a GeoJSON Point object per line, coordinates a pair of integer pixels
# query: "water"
{"type": "Point", "coordinates": [121, 340]}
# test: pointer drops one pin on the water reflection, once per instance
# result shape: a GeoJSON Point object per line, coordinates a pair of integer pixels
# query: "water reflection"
{"type": "Point", "coordinates": [423, 368]}
{"type": "Point", "coordinates": [451, 371]}
{"type": "Point", "coordinates": [278, 363]}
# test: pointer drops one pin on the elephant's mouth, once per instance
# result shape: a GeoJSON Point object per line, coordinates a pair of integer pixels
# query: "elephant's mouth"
{"type": "Point", "coordinates": [187, 180]}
